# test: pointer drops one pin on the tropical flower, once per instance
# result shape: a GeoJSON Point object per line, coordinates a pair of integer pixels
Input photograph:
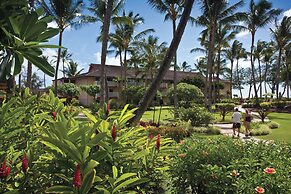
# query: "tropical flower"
{"type": "Point", "coordinates": [151, 136]}
{"type": "Point", "coordinates": [158, 143]}
{"type": "Point", "coordinates": [113, 132]}
{"type": "Point", "coordinates": [54, 115]}
{"type": "Point", "coordinates": [108, 108]}
{"type": "Point", "coordinates": [234, 173]}
{"type": "Point", "coordinates": [270, 170]}
{"type": "Point", "coordinates": [25, 163]}
{"type": "Point", "coordinates": [260, 190]}
{"type": "Point", "coordinates": [4, 171]}
{"type": "Point", "coordinates": [77, 182]}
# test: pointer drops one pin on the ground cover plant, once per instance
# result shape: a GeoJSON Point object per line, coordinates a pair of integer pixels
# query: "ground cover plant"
{"type": "Point", "coordinates": [45, 149]}
{"type": "Point", "coordinates": [226, 165]}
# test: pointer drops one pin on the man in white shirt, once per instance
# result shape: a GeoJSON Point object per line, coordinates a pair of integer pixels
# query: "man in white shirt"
{"type": "Point", "coordinates": [236, 116]}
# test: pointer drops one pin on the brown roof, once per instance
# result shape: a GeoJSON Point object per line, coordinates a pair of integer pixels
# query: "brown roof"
{"type": "Point", "coordinates": [115, 71]}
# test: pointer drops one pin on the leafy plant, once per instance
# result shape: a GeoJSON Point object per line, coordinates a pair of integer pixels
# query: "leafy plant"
{"type": "Point", "coordinates": [224, 108]}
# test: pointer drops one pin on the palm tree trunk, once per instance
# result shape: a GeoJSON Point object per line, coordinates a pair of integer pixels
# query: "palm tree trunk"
{"type": "Point", "coordinates": [231, 77]}
{"type": "Point", "coordinates": [106, 26]}
{"type": "Point", "coordinates": [63, 68]}
{"type": "Point", "coordinates": [250, 89]}
{"type": "Point", "coordinates": [29, 65]}
{"type": "Point", "coordinates": [278, 72]}
{"type": "Point", "coordinates": [19, 81]}
{"type": "Point", "coordinates": [125, 68]}
{"type": "Point", "coordinates": [265, 77]}
{"type": "Point", "coordinates": [217, 76]}
{"type": "Point", "coordinates": [260, 74]}
{"type": "Point", "coordinates": [210, 64]}
{"type": "Point", "coordinates": [151, 92]}
{"type": "Point", "coordinates": [287, 81]}
{"type": "Point", "coordinates": [239, 81]}
{"type": "Point", "coordinates": [58, 62]}
{"type": "Point", "coordinates": [44, 84]}
{"type": "Point", "coordinates": [253, 68]}
{"type": "Point", "coordinates": [175, 75]}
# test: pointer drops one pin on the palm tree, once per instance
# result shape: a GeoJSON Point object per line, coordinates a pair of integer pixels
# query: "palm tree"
{"type": "Point", "coordinates": [151, 54]}
{"type": "Point", "coordinates": [268, 58]}
{"type": "Point", "coordinates": [259, 15]}
{"type": "Point", "coordinates": [166, 63]}
{"type": "Point", "coordinates": [124, 38]}
{"type": "Point", "coordinates": [231, 54]}
{"type": "Point", "coordinates": [185, 66]}
{"type": "Point", "coordinates": [282, 36]}
{"type": "Point", "coordinates": [29, 64]}
{"type": "Point", "coordinates": [215, 13]}
{"type": "Point", "coordinates": [172, 9]}
{"type": "Point", "coordinates": [72, 69]}
{"type": "Point", "coordinates": [65, 13]}
{"type": "Point", "coordinates": [258, 52]}
{"type": "Point", "coordinates": [65, 57]}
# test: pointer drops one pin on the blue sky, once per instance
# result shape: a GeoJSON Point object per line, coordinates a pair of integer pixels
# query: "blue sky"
{"type": "Point", "coordinates": [82, 42]}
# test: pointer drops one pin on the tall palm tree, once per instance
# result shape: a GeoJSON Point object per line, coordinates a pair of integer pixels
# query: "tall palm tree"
{"type": "Point", "coordinates": [125, 36]}
{"type": "Point", "coordinates": [72, 69]}
{"type": "Point", "coordinates": [65, 57]}
{"type": "Point", "coordinates": [231, 54]}
{"type": "Point", "coordinates": [268, 58]}
{"type": "Point", "coordinates": [215, 13]}
{"type": "Point", "coordinates": [166, 63]}
{"type": "Point", "coordinates": [258, 52]}
{"type": "Point", "coordinates": [282, 36]}
{"type": "Point", "coordinates": [65, 13]}
{"type": "Point", "coordinates": [151, 54]}
{"type": "Point", "coordinates": [258, 15]}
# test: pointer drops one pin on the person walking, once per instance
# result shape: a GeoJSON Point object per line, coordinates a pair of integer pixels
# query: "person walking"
{"type": "Point", "coordinates": [236, 123]}
{"type": "Point", "coordinates": [247, 123]}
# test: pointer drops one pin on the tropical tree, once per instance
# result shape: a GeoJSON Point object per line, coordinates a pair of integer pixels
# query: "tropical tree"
{"type": "Point", "coordinates": [66, 58]}
{"type": "Point", "coordinates": [172, 10]}
{"type": "Point", "coordinates": [259, 15]}
{"type": "Point", "coordinates": [166, 63]}
{"type": "Point", "coordinates": [151, 54]}
{"type": "Point", "coordinates": [72, 69]}
{"type": "Point", "coordinates": [215, 13]}
{"type": "Point", "coordinates": [231, 54]}
{"type": "Point", "coordinates": [185, 66]}
{"type": "Point", "coordinates": [65, 13]}
{"type": "Point", "coordinates": [282, 36]}
{"type": "Point", "coordinates": [268, 58]}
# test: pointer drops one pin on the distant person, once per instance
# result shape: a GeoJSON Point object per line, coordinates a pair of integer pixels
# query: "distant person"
{"type": "Point", "coordinates": [236, 116]}
{"type": "Point", "coordinates": [247, 122]}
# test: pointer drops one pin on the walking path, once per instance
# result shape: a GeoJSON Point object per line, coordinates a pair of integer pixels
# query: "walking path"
{"type": "Point", "coordinates": [226, 129]}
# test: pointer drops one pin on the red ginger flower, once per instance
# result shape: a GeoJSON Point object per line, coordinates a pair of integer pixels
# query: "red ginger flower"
{"type": "Point", "coordinates": [260, 190]}
{"type": "Point", "coordinates": [108, 108]}
{"type": "Point", "coordinates": [113, 132]}
{"type": "Point", "coordinates": [158, 143]}
{"type": "Point", "coordinates": [25, 163]}
{"type": "Point", "coordinates": [4, 171]}
{"type": "Point", "coordinates": [270, 170]}
{"type": "Point", "coordinates": [77, 181]}
{"type": "Point", "coordinates": [151, 136]}
{"type": "Point", "coordinates": [54, 115]}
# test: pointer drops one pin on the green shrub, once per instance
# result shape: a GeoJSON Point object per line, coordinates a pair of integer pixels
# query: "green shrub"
{"type": "Point", "coordinates": [211, 130]}
{"type": "Point", "coordinates": [248, 105]}
{"type": "Point", "coordinates": [187, 93]}
{"type": "Point", "coordinates": [69, 90]}
{"type": "Point", "coordinates": [224, 108]}
{"type": "Point", "coordinates": [264, 110]}
{"type": "Point", "coordinates": [175, 132]}
{"type": "Point", "coordinates": [198, 116]}
{"type": "Point", "coordinates": [262, 130]}
{"type": "Point", "coordinates": [273, 125]}
{"type": "Point", "coordinates": [225, 165]}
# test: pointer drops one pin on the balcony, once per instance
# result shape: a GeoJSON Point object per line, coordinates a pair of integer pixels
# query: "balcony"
{"type": "Point", "coordinates": [110, 83]}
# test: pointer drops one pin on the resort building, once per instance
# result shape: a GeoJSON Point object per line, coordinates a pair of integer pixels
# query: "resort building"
{"type": "Point", "coordinates": [134, 77]}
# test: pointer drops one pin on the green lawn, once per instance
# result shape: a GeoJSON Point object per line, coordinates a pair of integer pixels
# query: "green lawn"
{"type": "Point", "coordinates": [166, 114]}
{"type": "Point", "coordinates": [218, 117]}
{"type": "Point", "coordinates": [283, 133]}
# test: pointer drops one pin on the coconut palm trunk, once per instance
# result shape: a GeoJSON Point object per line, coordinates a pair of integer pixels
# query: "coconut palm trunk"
{"type": "Point", "coordinates": [29, 64]}
{"type": "Point", "coordinates": [58, 61]}
{"type": "Point", "coordinates": [106, 26]}
{"type": "Point", "coordinates": [231, 77]}
{"type": "Point", "coordinates": [253, 68]}
{"type": "Point", "coordinates": [278, 72]}
{"type": "Point", "coordinates": [152, 90]}
{"type": "Point", "coordinates": [175, 75]}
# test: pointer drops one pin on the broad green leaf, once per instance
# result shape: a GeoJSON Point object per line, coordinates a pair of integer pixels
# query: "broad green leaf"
{"type": "Point", "coordinates": [124, 176]}
{"type": "Point", "coordinates": [90, 166]}
{"type": "Point", "coordinates": [125, 184]}
{"type": "Point", "coordinates": [15, 25]}
{"type": "Point", "coordinates": [28, 22]}
{"type": "Point", "coordinates": [49, 33]}
{"type": "Point", "coordinates": [96, 139]}
{"type": "Point", "coordinates": [99, 155]}
{"type": "Point", "coordinates": [12, 192]}
{"type": "Point", "coordinates": [90, 116]}
{"type": "Point", "coordinates": [114, 172]}
{"type": "Point", "coordinates": [123, 111]}
{"type": "Point", "coordinates": [60, 189]}
{"type": "Point", "coordinates": [87, 182]}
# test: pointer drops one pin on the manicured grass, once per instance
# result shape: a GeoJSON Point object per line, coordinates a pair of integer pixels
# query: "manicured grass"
{"type": "Point", "coordinates": [218, 118]}
{"type": "Point", "coordinates": [283, 133]}
{"type": "Point", "coordinates": [166, 114]}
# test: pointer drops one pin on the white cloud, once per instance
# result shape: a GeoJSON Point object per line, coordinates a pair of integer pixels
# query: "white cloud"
{"type": "Point", "coordinates": [109, 60]}
{"type": "Point", "coordinates": [287, 13]}
{"type": "Point", "coordinates": [53, 24]}
{"type": "Point", "coordinates": [243, 34]}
